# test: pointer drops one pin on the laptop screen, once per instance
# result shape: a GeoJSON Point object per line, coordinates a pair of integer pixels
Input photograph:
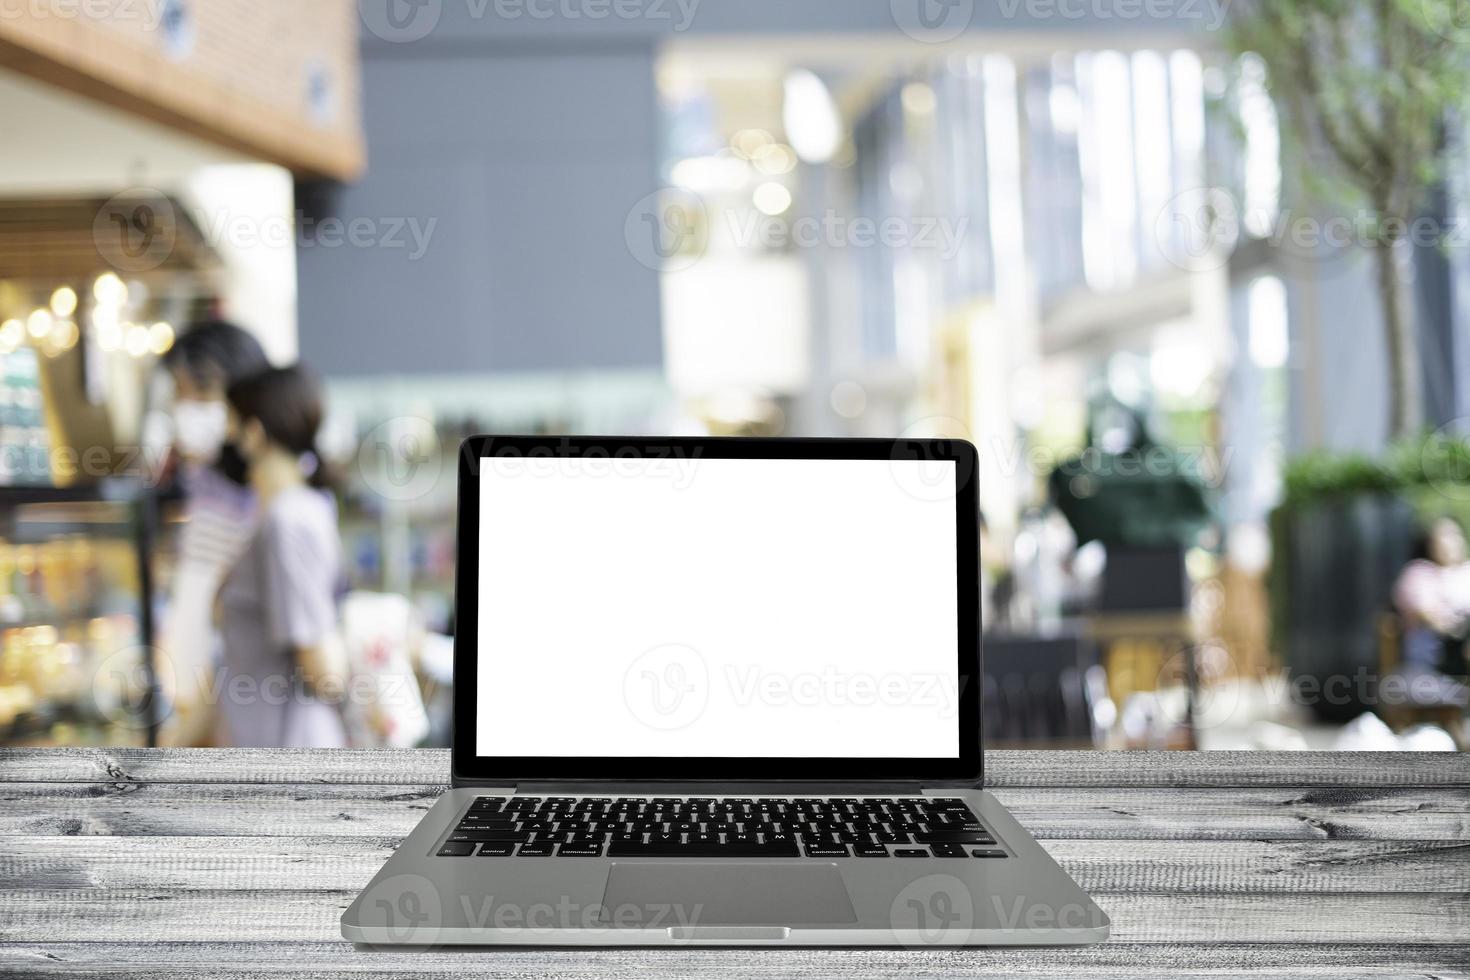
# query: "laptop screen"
{"type": "Point", "coordinates": [691, 607]}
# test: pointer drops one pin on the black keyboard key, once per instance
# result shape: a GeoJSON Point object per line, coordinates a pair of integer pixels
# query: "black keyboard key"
{"type": "Point", "coordinates": [469, 823]}
{"type": "Point", "coordinates": [956, 837]}
{"type": "Point", "coordinates": [702, 849]}
{"type": "Point", "coordinates": [489, 835]}
{"type": "Point", "coordinates": [818, 827]}
{"type": "Point", "coordinates": [456, 849]}
{"type": "Point", "coordinates": [988, 852]}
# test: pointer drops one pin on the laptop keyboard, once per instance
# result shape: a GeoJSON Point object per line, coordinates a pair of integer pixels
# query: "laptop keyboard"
{"type": "Point", "coordinates": [737, 827]}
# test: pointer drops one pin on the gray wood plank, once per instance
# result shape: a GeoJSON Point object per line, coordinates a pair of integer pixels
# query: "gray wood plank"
{"type": "Point", "coordinates": [325, 863]}
{"type": "Point", "coordinates": [1282, 864]}
{"type": "Point", "coordinates": [1003, 768]}
{"type": "Point", "coordinates": [1273, 813]}
{"type": "Point", "coordinates": [167, 914]}
{"type": "Point", "coordinates": [1113, 960]}
{"type": "Point", "coordinates": [202, 809]}
{"type": "Point", "coordinates": [371, 810]}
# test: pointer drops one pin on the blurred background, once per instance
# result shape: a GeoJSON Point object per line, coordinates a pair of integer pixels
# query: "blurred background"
{"type": "Point", "coordinates": [1191, 274]}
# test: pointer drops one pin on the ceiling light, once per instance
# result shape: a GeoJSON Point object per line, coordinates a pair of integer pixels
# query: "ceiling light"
{"type": "Point", "coordinates": [748, 142]}
{"type": "Point", "coordinates": [38, 324]}
{"type": "Point", "coordinates": [918, 99]}
{"type": "Point", "coordinates": [64, 301]}
{"type": "Point", "coordinates": [160, 337]}
{"type": "Point", "coordinates": [772, 198]}
{"type": "Point", "coordinates": [136, 340]}
{"type": "Point", "coordinates": [813, 123]}
{"type": "Point", "coordinates": [775, 159]}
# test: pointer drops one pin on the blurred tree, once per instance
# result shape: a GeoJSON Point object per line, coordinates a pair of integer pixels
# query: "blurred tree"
{"type": "Point", "coordinates": [1368, 86]}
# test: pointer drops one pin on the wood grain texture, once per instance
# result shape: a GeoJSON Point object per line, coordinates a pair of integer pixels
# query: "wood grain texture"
{"type": "Point", "coordinates": [1118, 960]}
{"type": "Point", "coordinates": [131, 808]}
{"type": "Point", "coordinates": [311, 915]}
{"type": "Point", "coordinates": [1002, 768]}
{"type": "Point", "coordinates": [136, 862]}
{"type": "Point", "coordinates": [1184, 867]}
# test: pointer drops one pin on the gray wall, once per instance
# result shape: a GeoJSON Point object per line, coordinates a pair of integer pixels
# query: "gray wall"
{"type": "Point", "coordinates": [528, 164]}
{"type": "Point", "coordinates": [528, 136]}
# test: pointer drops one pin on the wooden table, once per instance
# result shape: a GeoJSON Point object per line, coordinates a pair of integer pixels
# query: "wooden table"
{"type": "Point", "coordinates": [236, 863]}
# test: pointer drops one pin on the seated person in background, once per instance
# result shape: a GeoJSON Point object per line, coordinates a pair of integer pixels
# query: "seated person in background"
{"type": "Point", "coordinates": [1433, 596]}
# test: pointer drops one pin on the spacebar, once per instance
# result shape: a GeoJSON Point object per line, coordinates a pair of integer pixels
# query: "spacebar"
{"type": "Point", "coordinates": [626, 849]}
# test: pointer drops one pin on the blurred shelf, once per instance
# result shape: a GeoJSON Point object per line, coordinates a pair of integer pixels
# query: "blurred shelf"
{"type": "Point", "coordinates": [114, 490]}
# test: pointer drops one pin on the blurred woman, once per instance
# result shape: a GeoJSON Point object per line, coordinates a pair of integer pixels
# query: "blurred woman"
{"type": "Point", "coordinates": [284, 669]}
{"type": "Point", "coordinates": [219, 512]}
{"type": "Point", "coordinates": [1433, 596]}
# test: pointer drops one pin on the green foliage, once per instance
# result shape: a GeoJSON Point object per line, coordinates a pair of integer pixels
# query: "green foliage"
{"type": "Point", "coordinates": [1320, 474]}
{"type": "Point", "coordinates": [1366, 86]}
{"type": "Point", "coordinates": [1431, 473]}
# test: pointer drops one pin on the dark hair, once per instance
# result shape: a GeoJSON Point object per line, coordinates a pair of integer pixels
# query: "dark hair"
{"type": "Point", "coordinates": [287, 402]}
{"type": "Point", "coordinates": [1422, 548]}
{"type": "Point", "coordinates": [216, 352]}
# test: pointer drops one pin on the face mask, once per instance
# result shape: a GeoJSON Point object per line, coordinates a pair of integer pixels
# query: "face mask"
{"type": "Point", "coordinates": [199, 428]}
{"type": "Point", "coordinates": [233, 464]}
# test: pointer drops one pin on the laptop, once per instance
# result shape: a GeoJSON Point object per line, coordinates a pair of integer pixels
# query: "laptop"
{"type": "Point", "coordinates": [719, 692]}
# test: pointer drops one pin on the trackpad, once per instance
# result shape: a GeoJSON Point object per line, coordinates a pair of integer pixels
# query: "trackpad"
{"type": "Point", "coordinates": [657, 895]}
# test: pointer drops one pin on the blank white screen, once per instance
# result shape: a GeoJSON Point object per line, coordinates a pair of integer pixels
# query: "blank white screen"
{"type": "Point", "coordinates": [717, 607]}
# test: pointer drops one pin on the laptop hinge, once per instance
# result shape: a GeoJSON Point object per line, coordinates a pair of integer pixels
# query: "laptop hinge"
{"type": "Point", "coordinates": [722, 788]}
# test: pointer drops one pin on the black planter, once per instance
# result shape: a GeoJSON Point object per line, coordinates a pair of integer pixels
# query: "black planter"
{"type": "Point", "coordinates": [1336, 561]}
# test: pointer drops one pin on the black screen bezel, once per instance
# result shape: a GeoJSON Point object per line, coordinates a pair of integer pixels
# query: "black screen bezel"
{"type": "Point", "coordinates": [467, 768]}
